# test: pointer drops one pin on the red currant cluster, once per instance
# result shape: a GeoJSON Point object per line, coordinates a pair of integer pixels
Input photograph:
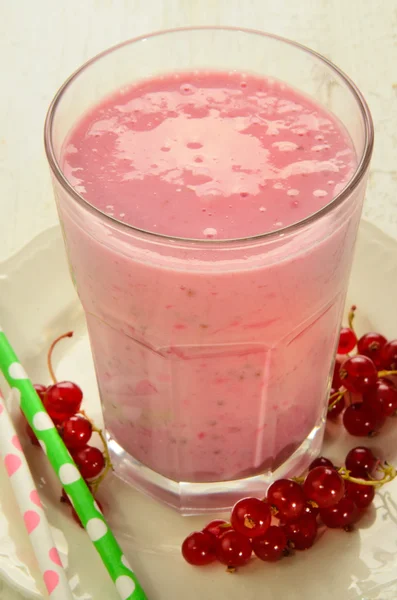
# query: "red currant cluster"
{"type": "Point", "coordinates": [62, 400]}
{"type": "Point", "coordinates": [291, 514]}
{"type": "Point", "coordinates": [362, 385]}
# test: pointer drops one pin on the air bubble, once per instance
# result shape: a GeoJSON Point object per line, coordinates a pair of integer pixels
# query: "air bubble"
{"type": "Point", "coordinates": [194, 145]}
{"type": "Point", "coordinates": [278, 186]}
{"type": "Point", "coordinates": [319, 193]}
{"type": "Point", "coordinates": [293, 192]}
{"type": "Point", "coordinates": [262, 209]}
{"type": "Point", "coordinates": [210, 232]}
{"type": "Point", "coordinates": [186, 89]}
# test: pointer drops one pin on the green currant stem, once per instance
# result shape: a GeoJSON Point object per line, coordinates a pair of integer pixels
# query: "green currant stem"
{"type": "Point", "coordinates": [94, 485]}
{"type": "Point", "coordinates": [350, 317]}
{"type": "Point", "coordinates": [50, 351]}
{"type": "Point", "coordinates": [299, 480]}
{"type": "Point", "coordinates": [388, 471]}
{"type": "Point", "coordinates": [337, 397]}
{"type": "Point", "coordinates": [386, 373]}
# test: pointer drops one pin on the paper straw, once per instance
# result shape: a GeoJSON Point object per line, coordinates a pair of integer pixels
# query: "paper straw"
{"type": "Point", "coordinates": [79, 494]}
{"type": "Point", "coordinates": [29, 503]}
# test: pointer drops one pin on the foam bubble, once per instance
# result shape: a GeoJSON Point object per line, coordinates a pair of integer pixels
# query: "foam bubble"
{"type": "Point", "coordinates": [210, 232]}
{"type": "Point", "coordinates": [319, 193]}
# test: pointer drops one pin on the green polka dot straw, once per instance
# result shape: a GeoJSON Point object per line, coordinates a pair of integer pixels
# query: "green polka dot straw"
{"type": "Point", "coordinates": [124, 578]}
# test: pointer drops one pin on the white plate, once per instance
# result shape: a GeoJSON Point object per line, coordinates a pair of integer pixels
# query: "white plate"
{"type": "Point", "coordinates": [38, 302]}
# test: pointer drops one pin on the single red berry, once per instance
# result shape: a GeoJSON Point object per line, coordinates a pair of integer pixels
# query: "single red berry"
{"type": "Point", "coordinates": [251, 517]}
{"type": "Point", "coordinates": [321, 461]}
{"type": "Point", "coordinates": [301, 533]}
{"type": "Point", "coordinates": [288, 498]}
{"type": "Point", "coordinates": [41, 390]}
{"type": "Point", "coordinates": [360, 420]}
{"type": "Point", "coordinates": [63, 400]}
{"type": "Point", "coordinates": [341, 515]}
{"type": "Point", "coordinates": [371, 345]}
{"type": "Point", "coordinates": [76, 432]}
{"type": "Point", "coordinates": [382, 398]}
{"type": "Point", "coordinates": [311, 508]}
{"type": "Point", "coordinates": [90, 461]}
{"type": "Point", "coordinates": [217, 527]}
{"type": "Point", "coordinates": [32, 436]}
{"type": "Point", "coordinates": [271, 546]}
{"type": "Point", "coordinates": [233, 549]}
{"type": "Point", "coordinates": [199, 548]}
{"type": "Point", "coordinates": [362, 495]}
{"type": "Point", "coordinates": [388, 357]}
{"type": "Point", "coordinates": [347, 340]}
{"type": "Point", "coordinates": [324, 486]}
{"type": "Point", "coordinates": [336, 382]}
{"type": "Point", "coordinates": [360, 461]}
{"type": "Point", "coordinates": [358, 373]}
{"type": "Point", "coordinates": [337, 408]}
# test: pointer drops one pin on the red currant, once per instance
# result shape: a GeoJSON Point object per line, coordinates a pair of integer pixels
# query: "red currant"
{"type": "Point", "coordinates": [199, 548]}
{"type": "Point", "coordinates": [358, 373]}
{"type": "Point", "coordinates": [340, 515]}
{"type": "Point", "coordinates": [63, 400]}
{"type": "Point", "coordinates": [217, 527]}
{"type": "Point", "coordinates": [347, 340]}
{"type": "Point", "coordinates": [388, 356]}
{"type": "Point", "coordinates": [360, 461]}
{"type": "Point", "coordinates": [233, 549]}
{"type": "Point", "coordinates": [311, 508]}
{"type": "Point", "coordinates": [336, 382]}
{"type": "Point", "coordinates": [77, 432]}
{"type": "Point", "coordinates": [360, 420]}
{"type": "Point", "coordinates": [90, 461]}
{"type": "Point", "coordinates": [336, 410]}
{"type": "Point", "coordinates": [321, 461]}
{"type": "Point", "coordinates": [41, 390]}
{"type": "Point", "coordinates": [371, 345]}
{"type": "Point", "coordinates": [382, 399]}
{"type": "Point", "coordinates": [288, 497]}
{"type": "Point", "coordinates": [251, 517]}
{"type": "Point", "coordinates": [271, 546]}
{"type": "Point", "coordinates": [362, 495]}
{"type": "Point", "coordinates": [301, 533]}
{"type": "Point", "coordinates": [324, 486]}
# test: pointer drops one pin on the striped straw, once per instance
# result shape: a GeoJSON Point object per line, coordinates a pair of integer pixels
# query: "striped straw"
{"type": "Point", "coordinates": [90, 515]}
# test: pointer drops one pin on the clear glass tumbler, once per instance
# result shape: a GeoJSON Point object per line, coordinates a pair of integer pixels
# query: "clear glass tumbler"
{"type": "Point", "coordinates": [202, 415]}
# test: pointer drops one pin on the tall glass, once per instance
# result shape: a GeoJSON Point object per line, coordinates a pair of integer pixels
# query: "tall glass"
{"type": "Point", "coordinates": [198, 416]}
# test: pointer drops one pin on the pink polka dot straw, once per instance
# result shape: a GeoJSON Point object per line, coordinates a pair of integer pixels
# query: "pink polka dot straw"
{"type": "Point", "coordinates": [91, 517]}
{"type": "Point", "coordinates": [29, 503]}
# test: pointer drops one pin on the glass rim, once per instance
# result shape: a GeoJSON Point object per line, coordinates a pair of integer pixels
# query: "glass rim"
{"type": "Point", "coordinates": [336, 201]}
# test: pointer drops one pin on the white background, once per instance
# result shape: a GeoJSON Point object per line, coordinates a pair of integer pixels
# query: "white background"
{"type": "Point", "coordinates": [43, 41]}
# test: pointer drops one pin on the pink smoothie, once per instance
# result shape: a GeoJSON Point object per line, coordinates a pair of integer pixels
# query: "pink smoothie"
{"type": "Point", "coordinates": [213, 360]}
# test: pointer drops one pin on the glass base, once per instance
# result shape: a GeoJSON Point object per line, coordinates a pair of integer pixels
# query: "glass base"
{"type": "Point", "coordinates": [198, 498]}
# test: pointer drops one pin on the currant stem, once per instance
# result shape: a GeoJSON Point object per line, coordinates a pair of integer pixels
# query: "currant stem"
{"type": "Point", "coordinates": [388, 470]}
{"type": "Point", "coordinates": [350, 317]}
{"type": "Point", "coordinates": [337, 397]}
{"type": "Point", "coordinates": [386, 373]}
{"type": "Point", "coordinates": [69, 334]}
